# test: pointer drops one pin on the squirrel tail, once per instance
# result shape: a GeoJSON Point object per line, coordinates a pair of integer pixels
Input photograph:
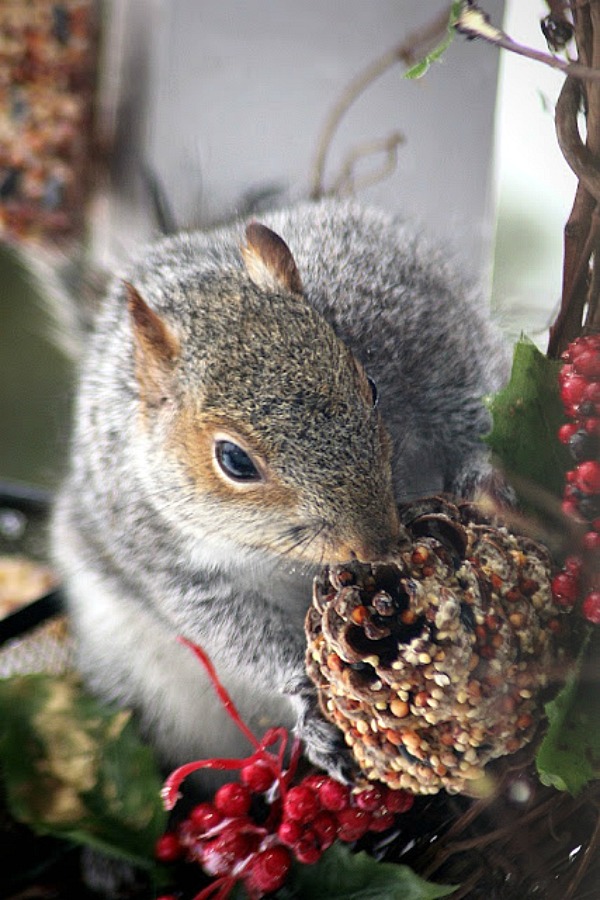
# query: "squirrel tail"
{"type": "Point", "coordinates": [69, 292]}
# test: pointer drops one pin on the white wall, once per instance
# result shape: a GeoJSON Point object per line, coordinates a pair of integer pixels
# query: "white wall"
{"type": "Point", "coordinates": [227, 97]}
{"type": "Point", "coordinates": [534, 184]}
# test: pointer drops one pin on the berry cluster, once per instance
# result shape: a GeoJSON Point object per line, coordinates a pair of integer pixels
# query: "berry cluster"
{"type": "Point", "coordinates": [579, 382]}
{"type": "Point", "coordinates": [255, 827]}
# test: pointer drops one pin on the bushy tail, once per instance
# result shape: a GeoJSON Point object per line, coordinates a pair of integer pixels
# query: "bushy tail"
{"type": "Point", "coordinates": [69, 291]}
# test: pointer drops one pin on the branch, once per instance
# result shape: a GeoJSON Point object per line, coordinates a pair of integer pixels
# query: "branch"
{"type": "Point", "coordinates": [577, 155]}
{"type": "Point", "coordinates": [474, 23]}
{"type": "Point", "coordinates": [413, 48]}
{"type": "Point", "coordinates": [347, 182]}
{"type": "Point", "coordinates": [580, 232]}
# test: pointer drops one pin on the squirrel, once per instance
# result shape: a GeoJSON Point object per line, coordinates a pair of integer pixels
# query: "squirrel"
{"type": "Point", "coordinates": [254, 402]}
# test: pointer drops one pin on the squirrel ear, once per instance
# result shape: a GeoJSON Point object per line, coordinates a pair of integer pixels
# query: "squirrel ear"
{"type": "Point", "coordinates": [269, 261]}
{"type": "Point", "coordinates": [156, 349]}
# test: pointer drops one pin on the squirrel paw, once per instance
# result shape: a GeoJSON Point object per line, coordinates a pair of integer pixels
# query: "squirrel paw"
{"type": "Point", "coordinates": [323, 743]}
{"type": "Point", "coordinates": [480, 481]}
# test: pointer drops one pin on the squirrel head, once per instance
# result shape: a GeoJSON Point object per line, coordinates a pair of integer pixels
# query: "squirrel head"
{"type": "Point", "coordinates": [266, 418]}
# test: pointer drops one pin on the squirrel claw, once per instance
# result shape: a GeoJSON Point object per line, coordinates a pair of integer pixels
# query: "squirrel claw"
{"type": "Point", "coordinates": [323, 743]}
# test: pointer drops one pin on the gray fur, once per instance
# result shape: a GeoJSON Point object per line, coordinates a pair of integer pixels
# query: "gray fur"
{"type": "Point", "coordinates": [145, 559]}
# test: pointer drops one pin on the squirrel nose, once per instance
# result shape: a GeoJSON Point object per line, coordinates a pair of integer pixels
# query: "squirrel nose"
{"type": "Point", "coordinates": [374, 542]}
{"type": "Point", "coordinates": [376, 552]}
{"type": "Point", "coordinates": [382, 548]}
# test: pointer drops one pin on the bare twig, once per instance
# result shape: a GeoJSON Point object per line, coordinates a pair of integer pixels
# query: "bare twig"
{"type": "Point", "coordinates": [347, 181]}
{"type": "Point", "coordinates": [413, 48]}
{"type": "Point", "coordinates": [588, 855]}
{"type": "Point", "coordinates": [474, 23]}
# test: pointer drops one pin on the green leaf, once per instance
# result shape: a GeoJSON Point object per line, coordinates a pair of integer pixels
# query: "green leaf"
{"type": "Point", "coordinates": [569, 755]}
{"type": "Point", "coordinates": [342, 875]}
{"type": "Point", "coordinates": [527, 414]}
{"type": "Point", "coordinates": [76, 769]}
{"type": "Point", "coordinates": [420, 68]}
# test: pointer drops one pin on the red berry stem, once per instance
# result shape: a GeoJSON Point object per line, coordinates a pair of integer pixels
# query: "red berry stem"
{"type": "Point", "coordinates": [223, 695]}
{"type": "Point", "coordinates": [219, 889]}
{"type": "Point", "coordinates": [170, 791]}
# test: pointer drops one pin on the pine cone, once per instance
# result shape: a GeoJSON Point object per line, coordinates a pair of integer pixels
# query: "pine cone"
{"type": "Point", "coordinates": [435, 665]}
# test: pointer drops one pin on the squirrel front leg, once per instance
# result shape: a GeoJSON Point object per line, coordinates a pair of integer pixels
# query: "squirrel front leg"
{"type": "Point", "coordinates": [237, 644]}
{"type": "Point", "coordinates": [322, 742]}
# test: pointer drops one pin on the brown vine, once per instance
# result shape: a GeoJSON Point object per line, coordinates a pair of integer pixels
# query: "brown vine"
{"type": "Point", "coordinates": [580, 303]}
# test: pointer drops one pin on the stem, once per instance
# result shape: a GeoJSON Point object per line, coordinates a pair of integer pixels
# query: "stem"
{"type": "Point", "coordinates": [581, 158]}
{"type": "Point", "coordinates": [170, 790]}
{"type": "Point", "coordinates": [409, 51]}
{"type": "Point", "coordinates": [224, 697]}
{"type": "Point", "coordinates": [593, 143]}
{"type": "Point", "coordinates": [219, 889]}
{"type": "Point", "coordinates": [475, 24]}
{"type": "Point", "coordinates": [581, 273]}
{"type": "Point", "coordinates": [577, 239]}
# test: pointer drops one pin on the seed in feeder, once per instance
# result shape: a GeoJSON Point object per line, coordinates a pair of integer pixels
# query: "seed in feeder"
{"type": "Point", "coordinates": [482, 658]}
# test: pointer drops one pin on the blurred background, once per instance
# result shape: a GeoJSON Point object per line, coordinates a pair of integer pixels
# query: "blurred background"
{"type": "Point", "coordinates": [219, 109]}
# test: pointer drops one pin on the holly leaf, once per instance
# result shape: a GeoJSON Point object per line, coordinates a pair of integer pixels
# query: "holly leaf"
{"type": "Point", "coordinates": [569, 755]}
{"type": "Point", "coordinates": [76, 769]}
{"type": "Point", "coordinates": [526, 416]}
{"type": "Point", "coordinates": [342, 875]}
{"type": "Point", "coordinates": [420, 68]}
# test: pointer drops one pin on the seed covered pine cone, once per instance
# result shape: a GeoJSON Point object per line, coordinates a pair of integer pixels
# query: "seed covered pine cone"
{"type": "Point", "coordinates": [434, 666]}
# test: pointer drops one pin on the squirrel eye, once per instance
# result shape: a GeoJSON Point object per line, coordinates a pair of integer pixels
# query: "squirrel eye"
{"type": "Point", "coordinates": [235, 462]}
{"type": "Point", "coordinates": [374, 391]}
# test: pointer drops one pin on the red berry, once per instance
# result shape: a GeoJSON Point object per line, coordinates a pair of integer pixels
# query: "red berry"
{"type": "Point", "coordinates": [370, 799]}
{"type": "Point", "coordinates": [572, 390]}
{"type": "Point", "coordinates": [307, 850]}
{"type": "Point", "coordinates": [565, 373]}
{"type": "Point", "coordinates": [289, 832]}
{"type": "Point", "coordinates": [592, 426]}
{"type": "Point", "coordinates": [591, 607]}
{"type": "Point", "coordinates": [233, 799]}
{"type": "Point", "coordinates": [333, 795]}
{"type": "Point", "coordinates": [269, 868]}
{"type": "Point", "coordinates": [257, 776]}
{"type": "Point", "coordinates": [204, 816]}
{"type": "Point", "coordinates": [301, 804]}
{"type": "Point", "coordinates": [167, 848]}
{"type": "Point", "coordinates": [398, 801]}
{"type": "Point", "coordinates": [381, 821]}
{"type": "Point", "coordinates": [591, 541]}
{"type": "Point", "coordinates": [588, 476]}
{"type": "Point", "coordinates": [219, 855]}
{"type": "Point", "coordinates": [353, 824]}
{"type": "Point", "coordinates": [573, 565]}
{"type": "Point", "coordinates": [565, 432]}
{"type": "Point", "coordinates": [570, 508]}
{"type": "Point", "coordinates": [592, 392]}
{"type": "Point", "coordinates": [236, 843]}
{"type": "Point", "coordinates": [581, 344]}
{"type": "Point", "coordinates": [315, 780]}
{"type": "Point", "coordinates": [564, 589]}
{"type": "Point", "coordinates": [325, 827]}
{"type": "Point", "coordinates": [587, 362]}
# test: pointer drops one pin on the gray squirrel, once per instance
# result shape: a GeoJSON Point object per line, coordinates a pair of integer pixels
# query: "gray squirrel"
{"type": "Point", "coordinates": [254, 402]}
